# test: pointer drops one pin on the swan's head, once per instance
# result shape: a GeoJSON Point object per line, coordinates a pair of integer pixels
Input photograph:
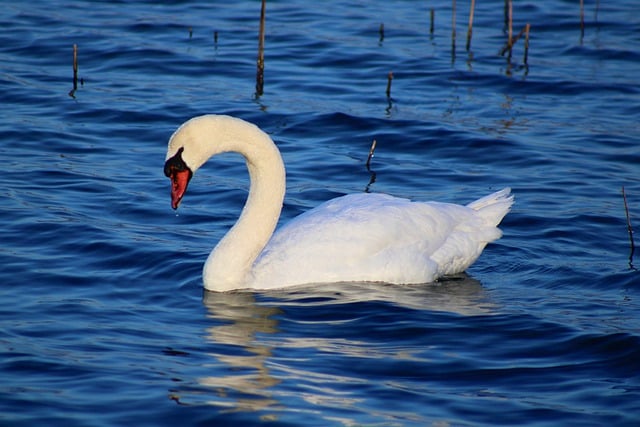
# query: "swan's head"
{"type": "Point", "coordinates": [199, 138]}
{"type": "Point", "coordinates": [187, 151]}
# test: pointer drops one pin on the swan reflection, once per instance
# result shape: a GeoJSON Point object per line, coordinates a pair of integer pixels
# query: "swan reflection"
{"type": "Point", "coordinates": [458, 294]}
{"type": "Point", "coordinates": [249, 380]}
{"type": "Point", "coordinates": [261, 368]}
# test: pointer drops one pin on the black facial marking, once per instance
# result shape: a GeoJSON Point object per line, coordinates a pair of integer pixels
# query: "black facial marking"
{"type": "Point", "coordinates": [175, 163]}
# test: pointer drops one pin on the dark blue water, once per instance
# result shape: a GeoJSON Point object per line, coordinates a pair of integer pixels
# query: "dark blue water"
{"type": "Point", "coordinates": [103, 321]}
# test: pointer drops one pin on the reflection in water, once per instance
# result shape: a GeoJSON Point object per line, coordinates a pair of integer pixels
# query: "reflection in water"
{"type": "Point", "coordinates": [248, 377]}
{"type": "Point", "coordinates": [460, 294]}
{"type": "Point", "coordinates": [246, 336]}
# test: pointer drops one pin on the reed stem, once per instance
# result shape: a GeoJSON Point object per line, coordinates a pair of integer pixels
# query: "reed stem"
{"type": "Point", "coordinates": [632, 245]}
{"type": "Point", "coordinates": [260, 71]}
{"type": "Point", "coordinates": [453, 20]}
{"type": "Point", "coordinates": [510, 27]}
{"type": "Point", "coordinates": [371, 151]}
{"type": "Point", "coordinates": [389, 79]}
{"type": "Point", "coordinates": [432, 21]}
{"type": "Point", "coordinates": [526, 43]}
{"type": "Point", "coordinates": [372, 178]}
{"type": "Point", "coordinates": [470, 29]}
{"type": "Point", "coordinates": [453, 31]}
{"type": "Point", "coordinates": [514, 40]}
{"type": "Point", "coordinates": [75, 67]}
{"type": "Point", "coordinates": [581, 20]}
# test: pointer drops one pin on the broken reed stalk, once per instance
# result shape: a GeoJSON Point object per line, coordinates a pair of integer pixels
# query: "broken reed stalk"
{"type": "Point", "coordinates": [581, 19]}
{"type": "Point", "coordinates": [470, 29]}
{"type": "Point", "coordinates": [371, 151]}
{"type": "Point", "coordinates": [372, 178]}
{"type": "Point", "coordinates": [453, 31]}
{"type": "Point", "coordinates": [510, 26]}
{"type": "Point", "coordinates": [506, 14]}
{"type": "Point", "coordinates": [629, 228]}
{"type": "Point", "coordinates": [389, 78]}
{"type": "Point", "coordinates": [526, 43]}
{"type": "Point", "coordinates": [509, 45]}
{"type": "Point", "coordinates": [260, 71]}
{"type": "Point", "coordinates": [75, 67]}
{"type": "Point", "coordinates": [453, 21]}
{"type": "Point", "coordinates": [432, 21]}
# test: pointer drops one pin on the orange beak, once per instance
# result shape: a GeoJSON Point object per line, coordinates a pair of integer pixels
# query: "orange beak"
{"type": "Point", "coordinates": [179, 182]}
{"type": "Point", "coordinates": [177, 170]}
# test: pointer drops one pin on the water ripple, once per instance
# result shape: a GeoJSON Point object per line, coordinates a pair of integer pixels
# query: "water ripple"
{"type": "Point", "coordinates": [103, 310]}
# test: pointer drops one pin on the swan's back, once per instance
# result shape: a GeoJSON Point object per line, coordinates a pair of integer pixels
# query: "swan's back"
{"type": "Point", "coordinates": [376, 237]}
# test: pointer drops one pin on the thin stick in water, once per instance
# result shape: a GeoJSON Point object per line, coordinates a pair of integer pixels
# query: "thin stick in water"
{"type": "Point", "coordinates": [506, 14]}
{"type": "Point", "coordinates": [432, 21]}
{"type": "Point", "coordinates": [510, 37]}
{"type": "Point", "coordinates": [470, 30]}
{"type": "Point", "coordinates": [453, 21]}
{"type": "Point", "coordinates": [581, 19]}
{"type": "Point", "coordinates": [508, 46]}
{"type": "Point", "coordinates": [629, 228]}
{"type": "Point", "coordinates": [260, 71]}
{"type": "Point", "coordinates": [75, 67]}
{"type": "Point", "coordinates": [371, 151]}
{"type": "Point", "coordinates": [381, 32]}
{"type": "Point", "coordinates": [389, 78]}
{"type": "Point", "coordinates": [453, 31]}
{"type": "Point", "coordinates": [526, 43]}
{"type": "Point", "coordinates": [372, 178]}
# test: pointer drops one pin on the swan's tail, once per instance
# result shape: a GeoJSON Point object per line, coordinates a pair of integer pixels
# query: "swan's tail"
{"type": "Point", "coordinates": [494, 207]}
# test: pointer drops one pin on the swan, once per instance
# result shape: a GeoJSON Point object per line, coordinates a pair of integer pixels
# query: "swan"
{"type": "Point", "coordinates": [363, 237]}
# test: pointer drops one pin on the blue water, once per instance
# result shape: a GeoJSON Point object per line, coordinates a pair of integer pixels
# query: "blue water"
{"type": "Point", "coordinates": [103, 321]}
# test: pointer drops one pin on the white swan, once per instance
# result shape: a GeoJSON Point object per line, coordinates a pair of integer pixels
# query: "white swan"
{"type": "Point", "coordinates": [358, 237]}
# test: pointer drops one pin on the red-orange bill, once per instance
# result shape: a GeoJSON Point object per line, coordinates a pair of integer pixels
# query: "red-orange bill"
{"type": "Point", "coordinates": [179, 182]}
{"type": "Point", "coordinates": [177, 170]}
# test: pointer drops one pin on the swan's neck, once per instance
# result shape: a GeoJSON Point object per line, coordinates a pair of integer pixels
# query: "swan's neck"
{"type": "Point", "coordinates": [230, 263]}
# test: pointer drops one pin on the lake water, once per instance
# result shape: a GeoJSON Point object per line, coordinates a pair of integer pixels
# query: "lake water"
{"type": "Point", "coordinates": [103, 320]}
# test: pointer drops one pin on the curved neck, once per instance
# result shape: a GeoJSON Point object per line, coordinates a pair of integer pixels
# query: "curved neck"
{"type": "Point", "coordinates": [229, 264]}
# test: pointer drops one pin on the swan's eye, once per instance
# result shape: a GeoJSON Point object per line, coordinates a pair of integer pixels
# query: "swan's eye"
{"type": "Point", "coordinates": [175, 164]}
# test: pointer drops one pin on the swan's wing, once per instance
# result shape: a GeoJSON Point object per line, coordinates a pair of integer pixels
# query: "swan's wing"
{"type": "Point", "coordinates": [370, 237]}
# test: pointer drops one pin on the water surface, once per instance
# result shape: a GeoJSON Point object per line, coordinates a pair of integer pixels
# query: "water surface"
{"type": "Point", "coordinates": [103, 320]}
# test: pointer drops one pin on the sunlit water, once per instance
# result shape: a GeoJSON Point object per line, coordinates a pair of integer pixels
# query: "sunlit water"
{"type": "Point", "coordinates": [103, 320]}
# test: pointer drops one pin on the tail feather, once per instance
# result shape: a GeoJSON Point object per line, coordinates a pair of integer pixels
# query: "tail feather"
{"type": "Point", "coordinates": [494, 207]}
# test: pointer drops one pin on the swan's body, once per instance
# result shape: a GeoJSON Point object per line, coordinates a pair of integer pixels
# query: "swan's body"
{"type": "Point", "coordinates": [358, 237]}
